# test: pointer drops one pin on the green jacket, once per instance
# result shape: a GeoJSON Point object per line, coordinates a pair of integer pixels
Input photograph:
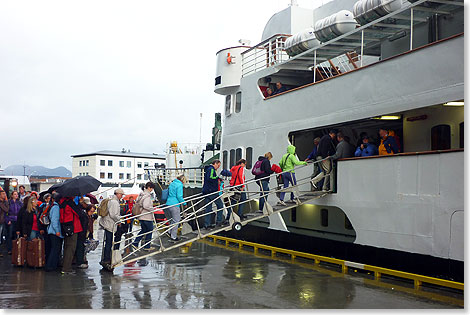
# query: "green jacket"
{"type": "Point", "coordinates": [289, 160]}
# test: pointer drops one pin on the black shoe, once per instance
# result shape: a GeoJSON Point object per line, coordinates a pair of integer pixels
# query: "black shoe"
{"type": "Point", "coordinates": [243, 217]}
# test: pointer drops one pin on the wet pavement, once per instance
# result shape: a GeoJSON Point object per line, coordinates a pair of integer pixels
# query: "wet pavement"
{"type": "Point", "coordinates": [206, 276]}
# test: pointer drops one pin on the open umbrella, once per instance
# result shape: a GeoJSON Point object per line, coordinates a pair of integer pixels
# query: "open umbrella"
{"type": "Point", "coordinates": [93, 199]}
{"type": "Point", "coordinates": [54, 187]}
{"type": "Point", "coordinates": [78, 186]}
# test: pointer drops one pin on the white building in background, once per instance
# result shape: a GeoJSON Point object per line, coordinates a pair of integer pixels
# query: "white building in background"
{"type": "Point", "coordinates": [123, 169]}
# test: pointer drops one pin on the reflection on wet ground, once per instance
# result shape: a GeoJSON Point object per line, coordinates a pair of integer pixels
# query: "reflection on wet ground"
{"type": "Point", "coordinates": [205, 277]}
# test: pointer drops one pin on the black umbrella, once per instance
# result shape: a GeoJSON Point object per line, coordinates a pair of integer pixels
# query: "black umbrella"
{"type": "Point", "coordinates": [54, 187]}
{"type": "Point", "coordinates": [78, 186]}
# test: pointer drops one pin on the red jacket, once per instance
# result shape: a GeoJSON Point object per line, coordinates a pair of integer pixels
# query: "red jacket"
{"type": "Point", "coordinates": [68, 214]}
{"type": "Point", "coordinates": [276, 169]}
{"type": "Point", "coordinates": [238, 176]}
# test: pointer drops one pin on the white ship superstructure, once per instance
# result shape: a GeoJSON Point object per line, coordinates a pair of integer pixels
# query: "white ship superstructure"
{"type": "Point", "coordinates": [399, 66]}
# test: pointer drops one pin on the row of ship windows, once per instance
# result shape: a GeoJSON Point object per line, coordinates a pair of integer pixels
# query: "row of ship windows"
{"type": "Point", "coordinates": [230, 158]}
{"type": "Point", "coordinates": [121, 176]}
{"type": "Point", "coordinates": [110, 163]}
{"type": "Point", "coordinates": [229, 100]}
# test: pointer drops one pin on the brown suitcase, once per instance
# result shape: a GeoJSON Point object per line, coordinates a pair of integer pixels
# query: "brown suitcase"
{"type": "Point", "coordinates": [36, 253]}
{"type": "Point", "coordinates": [18, 254]}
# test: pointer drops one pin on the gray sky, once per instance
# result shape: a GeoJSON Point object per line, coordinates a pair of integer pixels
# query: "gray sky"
{"type": "Point", "coordinates": [82, 76]}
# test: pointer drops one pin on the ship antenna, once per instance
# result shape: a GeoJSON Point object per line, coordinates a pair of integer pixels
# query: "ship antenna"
{"type": "Point", "coordinates": [293, 3]}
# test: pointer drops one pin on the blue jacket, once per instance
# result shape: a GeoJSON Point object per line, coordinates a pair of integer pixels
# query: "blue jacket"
{"type": "Point", "coordinates": [211, 183]}
{"type": "Point", "coordinates": [369, 151]}
{"type": "Point", "coordinates": [54, 216]}
{"type": "Point", "coordinates": [313, 154]}
{"type": "Point", "coordinates": [175, 193]}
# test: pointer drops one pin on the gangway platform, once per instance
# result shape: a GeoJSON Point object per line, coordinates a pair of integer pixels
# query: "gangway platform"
{"type": "Point", "coordinates": [124, 252]}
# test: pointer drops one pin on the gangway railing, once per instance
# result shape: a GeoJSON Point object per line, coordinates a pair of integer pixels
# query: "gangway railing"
{"type": "Point", "coordinates": [164, 176]}
{"type": "Point", "coordinates": [125, 252]}
{"type": "Point", "coordinates": [355, 49]}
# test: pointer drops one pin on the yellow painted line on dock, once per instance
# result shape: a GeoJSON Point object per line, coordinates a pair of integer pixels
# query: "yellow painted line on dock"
{"type": "Point", "coordinates": [378, 271]}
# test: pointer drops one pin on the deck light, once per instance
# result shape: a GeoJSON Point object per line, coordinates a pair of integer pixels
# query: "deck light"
{"type": "Point", "coordinates": [454, 104]}
{"type": "Point", "coordinates": [388, 117]}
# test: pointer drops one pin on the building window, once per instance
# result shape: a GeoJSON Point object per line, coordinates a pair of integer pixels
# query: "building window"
{"type": "Point", "coordinates": [146, 164]}
{"type": "Point", "coordinates": [232, 158]}
{"type": "Point", "coordinates": [249, 157]}
{"type": "Point", "coordinates": [324, 217]}
{"type": "Point", "coordinates": [129, 163]}
{"type": "Point", "coordinates": [139, 176]}
{"type": "Point", "coordinates": [110, 162]}
{"type": "Point", "coordinates": [139, 165]}
{"type": "Point", "coordinates": [225, 159]}
{"type": "Point", "coordinates": [228, 104]}
{"type": "Point", "coordinates": [80, 163]}
{"type": "Point", "coordinates": [101, 174]}
{"type": "Point", "coordinates": [440, 137]}
{"type": "Point", "coordinates": [87, 161]}
{"type": "Point", "coordinates": [238, 102]}
{"type": "Point", "coordinates": [102, 162]}
{"type": "Point", "coordinates": [128, 176]}
{"type": "Point", "coordinates": [238, 154]}
{"type": "Point", "coordinates": [121, 163]}
{"type": "Point", "coordinates": [121, 175]}
{"type": "Point", "coordinates": [146, 177]}
{"type": "Point", "coordinates": [110, 175]}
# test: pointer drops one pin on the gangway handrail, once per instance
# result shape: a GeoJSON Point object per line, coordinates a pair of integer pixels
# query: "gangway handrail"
{"type": "Point", "coordinates": [190, 213]}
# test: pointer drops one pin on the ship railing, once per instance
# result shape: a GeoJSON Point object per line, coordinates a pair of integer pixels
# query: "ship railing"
{"type": "Point", "coordinates": [361, 46]}
{"type": "Point", "coordinates": [268, 53]}
{"type": "Point", "coordinates": [194, 212]}
{"type": "Point", "coordinates": [164, 176]}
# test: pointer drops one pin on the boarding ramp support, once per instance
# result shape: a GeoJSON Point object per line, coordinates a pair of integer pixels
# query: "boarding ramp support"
{"type": "Point", "coordinates": [124, 252]}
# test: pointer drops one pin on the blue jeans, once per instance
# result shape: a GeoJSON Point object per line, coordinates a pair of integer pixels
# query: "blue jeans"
{"type": "Point", "coordinates": [264, 191]}
{"type": "Point", "coordinates": [145, 226]}
{"type": "Point", "coordinates": [108, 242]}
{"type": "Point", "coordinates": [54, 253]}
{"type": "Point", "coordinates": [214, 198]}
{"type": "Point", "coordinates": [11, 234]}
{"type": "Point", "coordinates": [288, 178]}
{"type": "Point", "coordinates": [33, 235]}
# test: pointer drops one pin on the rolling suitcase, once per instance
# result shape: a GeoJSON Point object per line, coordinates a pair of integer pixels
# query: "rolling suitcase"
{"type": "Point", "coordinates": [18, 254]}
{"type": "Point", "coordinates": [35, 253]}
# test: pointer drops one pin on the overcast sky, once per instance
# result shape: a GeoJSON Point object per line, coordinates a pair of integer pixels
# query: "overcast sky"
{"type": "Point", "coordinates": [82, 76]}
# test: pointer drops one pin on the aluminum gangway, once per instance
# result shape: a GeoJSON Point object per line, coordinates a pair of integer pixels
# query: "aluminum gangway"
{"type": "Point", "coordinates": [124, 252]}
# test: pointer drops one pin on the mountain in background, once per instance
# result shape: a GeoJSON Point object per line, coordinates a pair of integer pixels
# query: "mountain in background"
{"type": "Point", "coordinates": [36, 171]}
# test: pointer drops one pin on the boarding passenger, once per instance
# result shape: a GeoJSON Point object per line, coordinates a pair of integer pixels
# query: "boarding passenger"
{"type": "Point", "coordinates": [343, 150]}
{"type": "Point", "coordinates": [279, 88]}
{"type": "Point", "coordinates": [313, 157]}
{"type": "Point", "coordinates": [70, 227]}
{"type": "Point", "coordinates": [326, 148]}
{"type": "Point", "coordinates": [92, 216]}
{"type": "Point", "coordinates": [366, 148]}
{"type": "Point", "coordinates": [147, 218]}
{"type": "Point", "coordinates": [175, 202]}
{"type": "Point", "coordinates": [388, 145]}
{"type": "Point", "coordinates": [55, 235]}
{"type": "Point", "coordinates": [287, 164]}
{"type": "Point", "coordinates": [238, 178]}
{"type": "Point", "coordinates": [14, 207]}
{"type": "Point", "coordinates": [262, 170]}
{"type": "Point", "coordinates": [392, 133]}
{"type": "Point", "coordinates": [210, 187]}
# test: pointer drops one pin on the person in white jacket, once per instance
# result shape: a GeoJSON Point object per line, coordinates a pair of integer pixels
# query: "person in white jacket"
{"type": "Point", "coordinates": [147, 218]}
{"type": "Point", "coordinates": [107, 223]}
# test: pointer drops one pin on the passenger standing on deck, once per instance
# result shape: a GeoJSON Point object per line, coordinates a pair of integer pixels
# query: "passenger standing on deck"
{"type": "Point", "coordinates": [175, 201]}
{"type": "Point", "coordinates": [388, 144]}
{"type": "Point", "coordinates": [4, 207]}
{"type": "Point", "coordinates": [343, 149]}
{"type": "Point", "coordinates": [70, 226]}
{"type": "Point", "coordinates": [366, 148]}
{"type": "Point", "coordinates": [262, 176]}
{"type": "Point", "coordinates": [238, 178]}
{"type": "Point", "coordinates": [10, 221]}
{"type": "Point", "coordinates": [287, 164]}
{"type": "Point", "coordinates": [279, 88]}
{"type": "Point", "coordinates": [268, 93]}
{"type": "Point", "coordinates": [326, 148]}
{"type": "Point", "coordinates": [146, 220]}
{"type": "Point", "coordinates": [55, 235]}
{"type": "Point", "coordinates": [210, 187]}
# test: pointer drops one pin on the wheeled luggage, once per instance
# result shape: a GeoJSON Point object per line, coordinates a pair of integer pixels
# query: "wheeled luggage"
{"type": "Point", "coordinates": [18, 253]}
{"type": "Point", "coordinates": [36, 253]}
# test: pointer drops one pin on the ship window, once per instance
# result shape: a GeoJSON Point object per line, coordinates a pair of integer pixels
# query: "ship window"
{"type": "Point", "coordinates": [218, 80]}
{"type": "Point", "coordinates": [232, 158]}
{"type": "Point", "coordinates": [293, 215]}
{"type": "Point", "coordinates": [324, 217]}
{"type": "Point", "coordinates": [238, 102]}
{"type": "Point", "coordinates": [225, 159]}
{"type": "Point", "coordinates": [462, 131]}
{"type": "Point", "coordinates": [440, 137]}
{"type": "Point", "coordinates": [238, 154]}
{"type": "Point", "coordinates": [347, 223]}
{"type": "Point", "coordinates": [249, 157]}
{"type": "Point", "coordinates": [228, 105]}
